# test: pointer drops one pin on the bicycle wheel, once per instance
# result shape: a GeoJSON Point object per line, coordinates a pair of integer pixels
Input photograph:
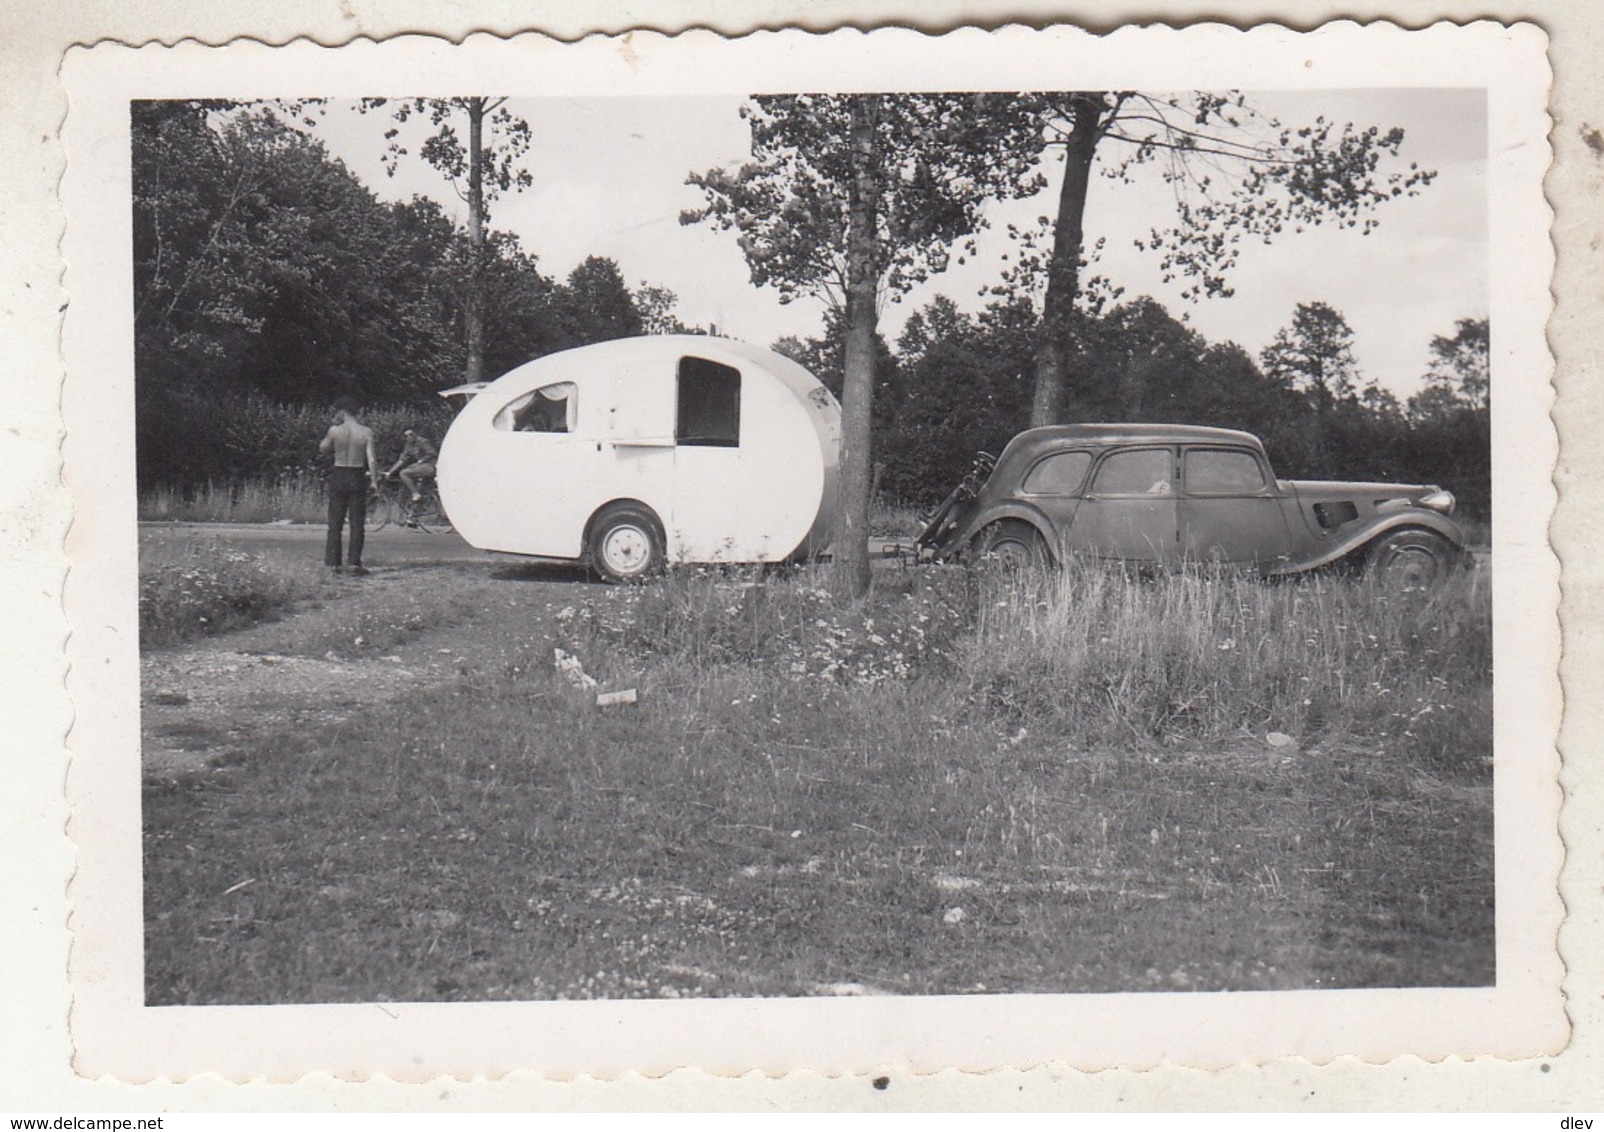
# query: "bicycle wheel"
{"type": "Point", "coordinates": [431, 516]}
{"type": "Point", "coordinates": [381, 510]}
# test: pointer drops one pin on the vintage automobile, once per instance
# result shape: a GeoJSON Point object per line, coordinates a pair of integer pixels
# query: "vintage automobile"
{"type": "Point", "coordinates": [1164, 494]}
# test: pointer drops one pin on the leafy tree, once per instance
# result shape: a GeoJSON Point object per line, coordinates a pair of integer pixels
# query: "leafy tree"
{"type": "Point", "coordinates": [480, 170]}
{"type": "Point", "coordinates": [824, 356]}
{"type": "Point", "coordinates": [1236, 174]}
{"type": "Point", "coordinates": [960, 387]}
{"type": "Point", "coordinates": [962, 382]}
{"type": "Point", "coordinates": [1141, 357]}
{"type": "Point", "coordinates": [1450, 419]}
{"type": "Point", "coordinates": [268, 279]}
{"type": "Point", "coordinates": [197, 192]}
{"type": "Point", "coordinates": [655, 306]}
{"type": "Point", "coordinates": [1314, 355]}
{"type": "Point", "coordinates": [1382, 404]}
{"type": "Point", "coordinates": [262, 266]}
{"type": "Point", "coordinates": [595, 305]}
{"type": "Point", "coordinates": [1460, 371]}
{"type": "Point", "coordinates": [262, 263]}
{"type": "Point", "coordinates": [523, 308]}
{"type": "Point", "coordinates": [848, 197]}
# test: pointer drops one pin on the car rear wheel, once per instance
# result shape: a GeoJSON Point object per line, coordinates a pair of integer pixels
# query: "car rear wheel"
{"type": "Point", "coordinates": [1410, 559]}
{"type": "Point", "coordinates": [626, 543]}
{"type": "Point", "coordinates": [1012, 544]}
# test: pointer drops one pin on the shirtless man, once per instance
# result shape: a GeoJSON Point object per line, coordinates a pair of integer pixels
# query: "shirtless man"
{"type": "Point", "coordinates": [355, 465]}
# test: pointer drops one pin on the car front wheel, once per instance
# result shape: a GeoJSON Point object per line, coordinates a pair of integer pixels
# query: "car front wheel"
{"type": "Point", "coordinates": [626, 544]}
{"type": "Point", "coordinates": [1012, 544]}
{"type": "Point", "coordinates": [1411, 559]}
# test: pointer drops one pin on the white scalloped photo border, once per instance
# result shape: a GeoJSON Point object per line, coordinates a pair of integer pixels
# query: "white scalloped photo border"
{"type": "Point", "coordinates": [116, 1035]}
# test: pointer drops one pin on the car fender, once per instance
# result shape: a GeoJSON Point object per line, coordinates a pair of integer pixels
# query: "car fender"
{"type": "Point", "coordinates": [996, 512]}
{"type": "Point", "coordinates": [1397, 521]}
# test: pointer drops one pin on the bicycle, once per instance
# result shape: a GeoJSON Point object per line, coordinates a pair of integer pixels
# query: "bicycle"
{"type": "Point", "coordinates": [945, 521]}
{"type": "Point", "coordinates": [392, 503]}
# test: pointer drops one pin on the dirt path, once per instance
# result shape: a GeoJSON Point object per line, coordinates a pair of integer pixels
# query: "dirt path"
{"type": "Point", "coordinates": [371, 641]}
{"type": "Point", "coordinates": [195, 696]}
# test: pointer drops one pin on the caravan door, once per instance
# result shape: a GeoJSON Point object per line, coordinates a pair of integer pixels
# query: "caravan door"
{"type": "Point", "coordinates": [639, 438]}
{"type": "Point", "coordinates": [533, 462]}
{"type": "Point", "coordinates": [706, 524]}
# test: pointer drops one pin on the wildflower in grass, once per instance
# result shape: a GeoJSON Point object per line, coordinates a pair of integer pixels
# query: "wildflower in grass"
{"type": "Point", "coordinates": [214, 588]}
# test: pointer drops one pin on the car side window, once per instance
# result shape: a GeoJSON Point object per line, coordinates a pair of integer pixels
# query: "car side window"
{"type": "Point", "coordinates": [1134, 471]}
{"type": "Point", "coordinates": [1061, 473]}
{"type": "Point", "coordinates": [1222, 471]}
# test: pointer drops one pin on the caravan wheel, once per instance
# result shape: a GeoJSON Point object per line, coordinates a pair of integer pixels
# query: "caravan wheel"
{"type": "Point", "coordinates": [626, 543]}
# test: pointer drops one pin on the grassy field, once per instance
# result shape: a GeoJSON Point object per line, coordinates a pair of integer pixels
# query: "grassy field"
{"type": "Point", "coordinates": [969, 783]}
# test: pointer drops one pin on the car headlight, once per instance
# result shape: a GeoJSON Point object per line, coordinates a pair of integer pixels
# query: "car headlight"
{"type": "Point", "coordinates": [1439, 500]}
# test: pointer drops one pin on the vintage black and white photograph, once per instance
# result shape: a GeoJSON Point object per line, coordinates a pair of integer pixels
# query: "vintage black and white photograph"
{"type": "Point", "coordinates": [815, 541]}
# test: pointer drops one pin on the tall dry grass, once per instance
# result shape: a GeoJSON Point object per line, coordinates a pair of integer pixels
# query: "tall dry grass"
{"type": "Point", "coordinates": [1092, 651]}
{"type": "Point", "coordinates": [1095, 653]}
{"type": "Point", "coordinates": [296, 497]}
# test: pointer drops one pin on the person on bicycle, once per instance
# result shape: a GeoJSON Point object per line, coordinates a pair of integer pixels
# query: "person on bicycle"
{"type": "Point", "coordinates": [415, 464]}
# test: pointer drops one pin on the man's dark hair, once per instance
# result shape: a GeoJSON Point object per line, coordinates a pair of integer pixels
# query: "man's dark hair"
{"type": "Point", "coordinates": [346, 405]}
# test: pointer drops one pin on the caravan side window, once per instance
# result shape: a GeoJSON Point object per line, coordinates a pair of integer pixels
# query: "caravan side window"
{"type": "Point", "coordinates": [551, 408]}
{"type": "Point", "coordinates": [709, 404]}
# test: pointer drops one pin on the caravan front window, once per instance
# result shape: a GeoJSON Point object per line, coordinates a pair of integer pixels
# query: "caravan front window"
{"type": "Point", "coordinates": [709, 404]}
{"type": "Point", "coordinates": [551, 408]}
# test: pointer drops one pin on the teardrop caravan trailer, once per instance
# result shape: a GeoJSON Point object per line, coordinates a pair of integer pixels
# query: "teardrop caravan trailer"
{"type": "Point", "coordinates": [643, 451]}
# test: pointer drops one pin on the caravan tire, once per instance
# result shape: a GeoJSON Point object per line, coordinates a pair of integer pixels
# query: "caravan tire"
{"type": "Point", "coordinates": [626, 543]}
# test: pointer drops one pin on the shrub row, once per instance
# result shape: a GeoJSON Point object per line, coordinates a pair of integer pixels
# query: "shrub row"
{"type": "Point", "coordinates": [184, 442]}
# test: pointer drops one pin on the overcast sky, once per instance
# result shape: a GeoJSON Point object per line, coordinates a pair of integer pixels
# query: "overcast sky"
{"type": "Point", "coordinates": [609, 179]}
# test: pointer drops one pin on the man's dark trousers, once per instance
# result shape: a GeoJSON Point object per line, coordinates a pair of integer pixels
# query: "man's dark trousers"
{"type": "Point", "coordinates": [348, 495]}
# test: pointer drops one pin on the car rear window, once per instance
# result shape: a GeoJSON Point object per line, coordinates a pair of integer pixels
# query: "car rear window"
{"type": "Point", "coordinates": [1134, 471]}
{"type": "Point", "coordinates": [1060, 473]}
{"type": "Point", "coordinates": [1222, 471]}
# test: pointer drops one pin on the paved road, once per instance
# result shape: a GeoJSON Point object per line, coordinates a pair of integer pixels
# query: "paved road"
{"type": "Point", "coordinates": [389, 546]}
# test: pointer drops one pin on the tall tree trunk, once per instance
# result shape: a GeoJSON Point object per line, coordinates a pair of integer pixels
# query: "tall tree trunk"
{"type": "Point", "coordinates": [857, 394]}
{"type": "Point", "coordinates": [1322, 417]}
{"type": "Point", "coordinates": [473, 317]}
{"type": "Point", "coordinates": [1133, 381]}
{"type": "Point", "coordinates": [1054, 342]}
